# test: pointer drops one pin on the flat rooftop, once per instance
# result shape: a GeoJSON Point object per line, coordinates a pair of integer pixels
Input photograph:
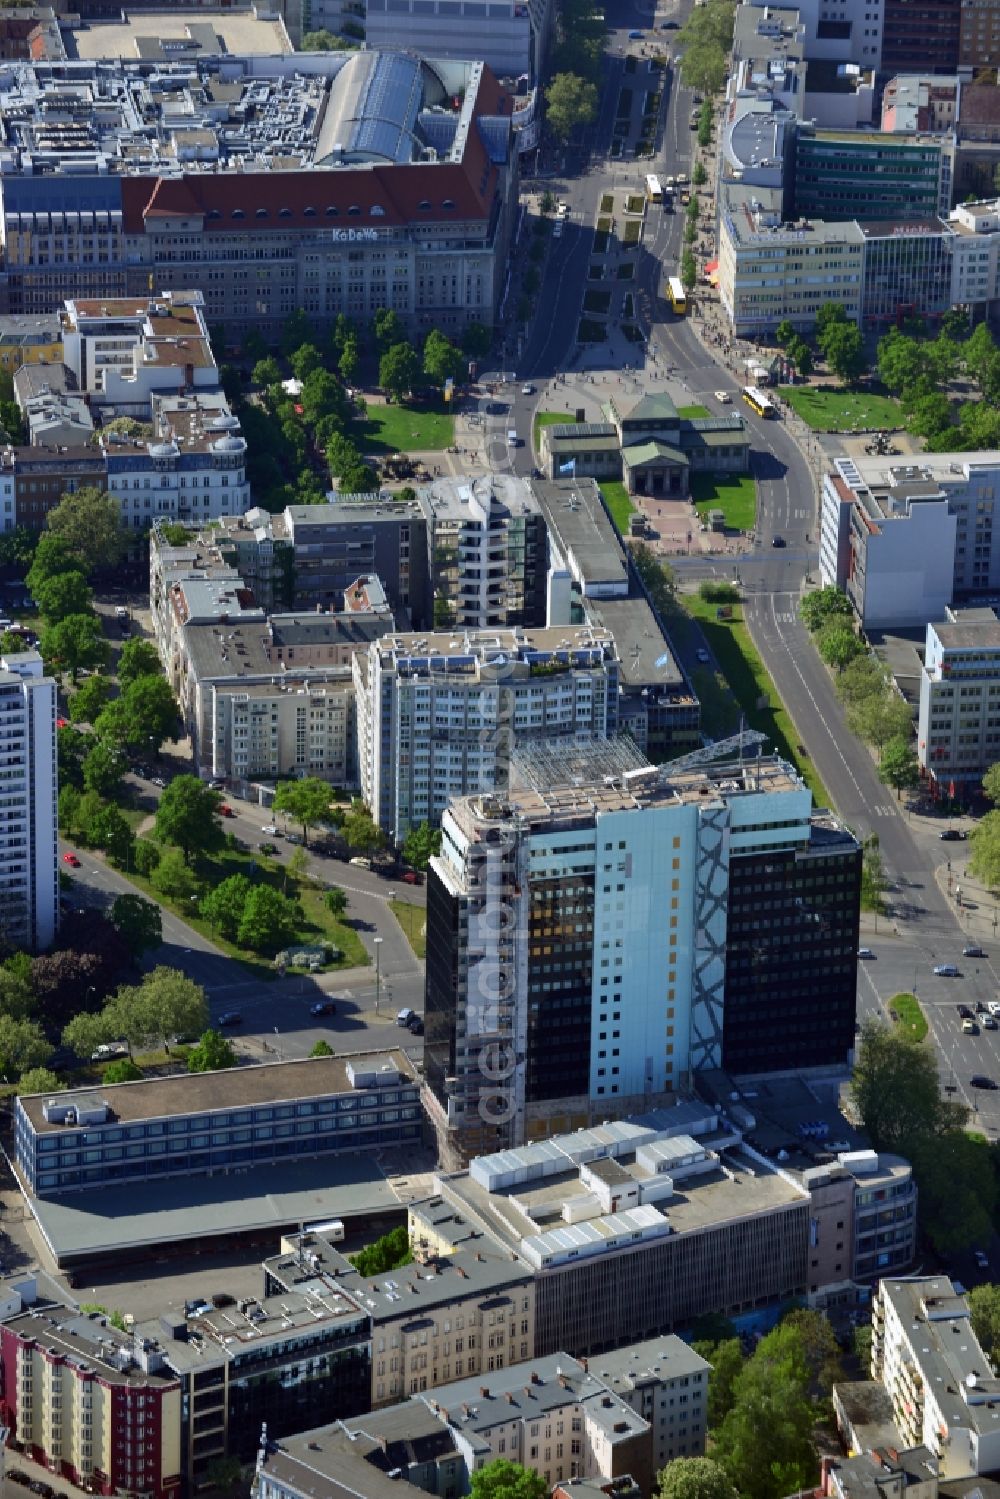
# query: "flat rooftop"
{"type": "Point", "coordinates": [86, 1342]}
{"type": "Point", "coordinates": [497, 646]}
{"type": "Point", "coordinates": [243, 648]}
{"type": "Point", "coordinates": [575, 515]}
{"type": "Point", "coordinates": [952, 1365]}
{"type": "Point", "coordinates": [250, 1324]}
{"type": "Point", "coordinates": [234, 1088]}
{"type": "Point", "coordinates": [169, 34]}
{"type": "Point", "coordinates": [121, 1222]}
{"type": "Point", "coordinates": [456, 497]}
{"type": "Point", "coordinates": [646, 655]}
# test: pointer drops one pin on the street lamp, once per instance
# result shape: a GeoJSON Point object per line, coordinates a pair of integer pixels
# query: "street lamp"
{"type": "Point", "coordinates": [377, 943]}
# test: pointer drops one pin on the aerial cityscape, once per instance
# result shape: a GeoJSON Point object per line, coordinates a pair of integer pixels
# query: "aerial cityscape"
{"type": "Point", "coordinates": [500, 749]}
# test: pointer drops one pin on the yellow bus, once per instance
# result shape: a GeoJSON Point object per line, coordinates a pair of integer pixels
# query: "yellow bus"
{"type": "Point", "coordinates": [758, 400]}
{"type": "Point", "coordinates": [677, 295]}
{"type": "Point", "coordinates": [654, 192]}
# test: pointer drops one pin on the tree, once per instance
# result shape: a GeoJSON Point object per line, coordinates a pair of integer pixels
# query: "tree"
{"type": "Point", "coordinates": [420, 845]}
{"type": "Point", "coordinates": [388, 329]}
{"type": "Point", "coordinates": [322, 1049]}
{"type": "Point", "coordinates": [103, 767]}
{"type": "Point", "coordinates": [864, 678]}
{"type": "Point", "coordinates": [266, 373]}
{"type": "Point", "coordinates": [89, 522]}
{"type": "Point", "coordinates": [694, 1478]}
{"type": "Point", "coordinates": [306, 802]}
{"type": "Point", "coordinates": [122, 1071]}
{"type": "Point", "coordinates": [146, 855]}
{"type": "Point", "coordinates": [873, 880]}
{"type": "Point", "coordinates": [844, 350]}
{"type": "Point", "coordinates": [898, 767]}
{"type": "Point", "coordinates": [224, 1472]}
{"type": "Point", "coordinates": [73, 643]}
{"type": "Point", "coordinates": [139, 921]}
{"type": "Point", "coordinates": [879, 717]}
{"type": "Point", "coordinates": [349, 362]}
{"type": "Point", "coordinates": [785, 332]}
{"type": "Point", "coordinates": [818, 608]}
{"type": "Point", "coordinates": [296, 330]}
{"type": "Point", "coordinates": [304, 360]}
{"type": "Point", "coordinates": [188, 815]}
{"type": "Point", "coordinates": [223, 905]}
{"type": "Point", "coordinates": [336, 902]}
{"type": "Point", "coordinates": [800, 355]}
{"type": "Point", "coordinates": [87, 702]}
{"type": "Point", "coordinates": [214, 1053]}
{"type": "Point", "coordinates": [837, 644]}
{"type": "Point", "coordinates": [16, 996]}
{"type": "Point", "coordinates": [63, 594]}
{"type": "Point", "coordinates": [296, 867]}
{"type": "Point", "coordinates": [896, 1090]}
{"type": "Point", "coordinates": [991, 784]}
{"type": "Point", "coordinates": [137, 658]}
{"type": "Point", "coordinates": [829, 314]}
{"type": "Point", "coordinates": [390, 1252]}
{"type": "Point", "coordinates": [900, 360]}
{"type": "Point", "coordinates": [165, 1004]}
{"type": "Point", "coordinates": [706, 123]}
{"type": "Point", "coordinates": [930, 415]}
{"type": "Point", "coordinates": [477, 339]}
{"type": "Point", "coordinates": [399, 370]}
{"type": "Point", "coordinates": [442, 361]}
{"type": "Point", "coordinates": [820, 1347]}
{"type": "Point", "coordinates": [570, 101]}
{"type": "Point", "coordinates": [957, 1190]}
{"type": "Point", "coordinates": [689, 270]}
{"type": "Point", "coordinates": [145, 714]}
{"type": "Point", "coordinates": [726, 1358]}
{"type": "Point", "coordinates": [12, 644]}
{"type": "Point", "coordinates": [40, 1080]}
{"type": "Point", "coordinates": [984, 1306]}
{"type": "Point", "coordinates": [52, 556]}
{"type": "Point", "coordinates": [269, 920]}
{"type": "Point", "coordinates": [360, 831]}
{"type": "Point", "coordinates": [172, 877]}
{"type": "Point", "coordinates": [22, 1045]}
{"type": "Point", "coordinates": [109, 830]}
{"type": "Point", "coordinates": [771, 1396]}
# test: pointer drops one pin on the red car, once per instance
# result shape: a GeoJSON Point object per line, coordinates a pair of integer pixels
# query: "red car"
{"type": "Point", "coordinates": [70, 858]}
{"type": "Point", "coordinates": [226, 811]}
{"type": "Point", "coordinates": [62, 723]}
{"type": "Point", "coordinates": [412, 877]}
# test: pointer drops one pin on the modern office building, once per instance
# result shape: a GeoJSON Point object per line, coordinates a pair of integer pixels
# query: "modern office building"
{"type": "Point", "coordinates": [769, 273]}
{"type": "Point", "coordinates": [656, 923]}
{"type": "Point", "coordinates": [123, 351]}
{"type": "Point", "coordinates": [905, 539]}
{"type": "Point", "coordinates": [358, 536]}
{"type": "Point", "coordinates": [29, 870]}
{"type": "Point", "coordinates": [156, 188]}
{"type": "Point", "coordinates": [958, 727]}
{"type": "Point", "coordinates": [96, 1407]}
{"type": "Point", "coordinates": [187, 1125]}
{"type": "Point", "coordinates": [907, 271]}
{"type": "Point", "coordinates": [921, 36]}
{"type": "Point", "coordinates": [864, 174]}
{"type": "Point", "coordinates": [511, 38]}
{"type": "Point", "coordinates": [439, 716]}
{"type": "Point", "coordinates": [486, 547]}
{"type": "Point", "coordinates": [944, 1393]}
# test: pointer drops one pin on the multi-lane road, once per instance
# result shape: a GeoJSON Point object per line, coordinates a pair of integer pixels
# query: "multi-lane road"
{"type": "Point", "coordinates": [927, 930]}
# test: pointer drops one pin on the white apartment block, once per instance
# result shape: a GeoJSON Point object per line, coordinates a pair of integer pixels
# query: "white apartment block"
{"type": "Point", "coordinates": [943, 1390]}
{"type": "Point", "coordinates": [439, 716]}
{"type": "Point", "coordinates": [29, 871]}
{"type": "Point", "coordinates": [270, 729]}
{"type": "Point", "coordinates": [958, 732]}
{"type": "Point", "coordinates": [975, 255]}
{"type": "Point", "coordinates": [126, 350]}
{"type": "Point", "coordinates": [906, 538]}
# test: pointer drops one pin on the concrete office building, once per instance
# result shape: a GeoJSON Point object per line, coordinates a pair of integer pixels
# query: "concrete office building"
{"type": "Point", "coordinates": [943, 1391]}
{"type": "Point", "coordinates": [439, 716]}
{"type": "Point", "coordinates": [635, 950]}
{"type": "Point", "coordinates": [361, 535]}
{"type": "Point", "coordinates": [923, 37]}
{"type": "Point", "coordinates": [188, 1125]}
{"type": "Point", "coordinates": [96, 1407]}
{"type": "Point", "coordinates": [768, 273]}
{"type": "Point", "coordinates": [512, 38]}
{"type": "Point", "coordinates": [844, 174]}
{"type": "Point", "coordinates": [958, 727]}
{"type": "Point", "coordinates": [422, 224]}
{"type": "Point", "coordinates": [29, 871]}
{"type": "Point", "coordinates": [906, 539]}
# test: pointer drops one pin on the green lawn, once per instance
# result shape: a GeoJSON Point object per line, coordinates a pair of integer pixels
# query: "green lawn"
{"type": "Point", "coordinates": [550, 419]}
{"type": "Point", "coordinates": [734, 494]}
{"type": "Point", "coordinates": [617, 500]}
{"type": "Point", "coordinates": [405, 429]}
{"type": "Point", "coordinates": [720, 714]}
{"type": "Point", "coordinates": [633, 232]}
{"type": "Point", "coordinates": [911, 1016]}
{"type": "Point", "coordinates": [740, 663]}
{"type": "Point", "coordinates": [413, 920]}
{"type": "Point", "coordinates": [691, 412]}
{"type": "Point", "coordinates": [834, 410]}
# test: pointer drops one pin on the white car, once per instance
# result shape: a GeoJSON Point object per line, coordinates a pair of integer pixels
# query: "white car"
{"type": "Point", "coordinates": [270, 829]}
{"type": "Point", "coordinates": [723, 397]}
{"type": "Point", "coordinates": [994, 1006]}
{"type": "Point", "coordinates": [703, 656]}
{"type": "Point", "coordinates": [527, 390]}
{"type": "Point", "coordinates": [982, 1259]}
{"type": "Point", "coordinates": [360, 862]}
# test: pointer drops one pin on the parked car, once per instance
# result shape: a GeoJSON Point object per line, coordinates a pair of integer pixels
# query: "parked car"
{"type": "Point", "coordinates": [323, 1007]}
{"type": "Point", "coordinates": [158, 781]}
{"type": "Point", "coordinates": [994, 1006]}
{"type": "Point", "coordinates": [723, 397]}
{"type": "Point", "coordinates": [635, 36]}
{"type": "Point", "coordinates": [108, 1050]}
{"type": "Point", "coordinates": [225, 810]}
{"type": "Point", "coordinates": [70, 858]}
{"type": "Point", "coordinates": [404, 1017]}
{"type": "Point", "coordinates": [973, 952]}
{"type": "Point", "coordinates": [216, 785]}
{"type": "Point", "coordinates": [527, 390]}
{"type": "Point", "coordinates": [777, 541]}
{"type": "Point", "coordinates": [946, 971]}
{"type": "Point", "coordinates": [270, 829]}
{"type": "Point", "coordinates": [989, 1023]}
{"type": "Point", "coordinates": [360, 862]}
{"type": "Point", "coordinates": [865, 952]}
{"type": "Point", "coordinates": [413, 877]}
{"type": "Point", "coordinates": [970, 1028]}
{"type": "Point", "coordinates": [964, 1012]}
{"type": "Point", "coordinates": [980, 1080]}
{"type": "Point", "coordinates": [230, 1018]}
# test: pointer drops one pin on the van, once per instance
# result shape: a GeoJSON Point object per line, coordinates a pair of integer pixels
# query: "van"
{"type": "Point", "coordinates": [513, 441]}
{"type": "Point", "coordinates": [404, 1017]}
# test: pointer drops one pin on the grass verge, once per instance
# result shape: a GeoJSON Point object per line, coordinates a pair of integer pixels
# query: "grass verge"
{"type": "Point", "coordinates": [617, 500]}
{"type": "Point", "coordinates": [734, 494]}
{"type": "Point", "coordinates": [413, 920]}
{"type": "Point", "coordinates": [910, 1015]}
{"type": "Point", "coordinates": [550, 419]}
{"type": "Point", "coordinates": [405, 429]}
{"type": "Point", "coordinates": [720, 714]}
{"type": "Point", "coordinates": [741, 665]}
{"type": "Point", "coordinates": [825, 409]}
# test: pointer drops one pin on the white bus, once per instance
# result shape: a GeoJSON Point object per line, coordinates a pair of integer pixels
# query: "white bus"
{"type": "Point", "coordinates": [654, 192]}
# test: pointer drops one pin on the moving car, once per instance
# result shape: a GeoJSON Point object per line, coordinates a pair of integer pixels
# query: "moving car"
{"type": "Point", "coordinates": [527, 390]}
{"type": "Point", "coordinates": [973, 952]}
{"type": "Point", "coordinates": [964, 1011]}
{"type": "Point", "coordinates": [270, 829]}
{"type": "Point", "coordinates": [668, 25]}
{"type": "Point", "coordinates": [980, 1080]}
{"type": "Point", "coordinates": [946, 971]}
{"type": "Point", "coordinates": [404, 1017]}
{"type": "Point", "coordinates": [413, 877]}
{"type": "Point", "coordinates": [952, 835]}
{"type": "Point", "coordinates": [415, 1025]}
{"type": "Point", "coordinates": [703, 656]}
{"type": "Point", "coordinates": [71, 859]}
{"type": "Point", "coordinates": [230, 1017]}
{"type": "Point", "coordinates": [970, 1028]}
{"type": "Point", "coordinates": [865, 952]}
{"type": "Point", "coordinates": [360, 862]}
{"type": "Point", "coordinates": [635, 36]}
{"type": "Point", "coordinates": [323, 1007]}
{"type": "Point", "coordinates": [723, 397]}
{"type": "Point", "coordinates": [777, 541]}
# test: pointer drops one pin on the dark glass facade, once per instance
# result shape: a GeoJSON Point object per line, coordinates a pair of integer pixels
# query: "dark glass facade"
{"type": "Point", "coordinates": [868, 177]}
{"type": "Point", "coordinates": [444, 938]}
{"type": "Point", "coordinates": [560, 980]}
{"type": "Point", "coordinates": [791, 957]}
{"type": "Point", "coordinates": [921, 36]}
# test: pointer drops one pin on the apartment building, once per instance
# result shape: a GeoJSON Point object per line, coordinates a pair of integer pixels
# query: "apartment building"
{"type": "Point", "coordinates": [940, 1383]}
{"type": "Point", "coordinates": [486, 542]}
{"type": "Point", "coordinates": [958, 726]}
{"type": "Point", "coordinates": [201, 1123]}
{"type": "Point", "coordinates": [193, 471]}
{"type": "Point", "coordinates": [635, 950]}
{"type": "Point", "coordinates": [29, 870]}
{"type": "Point", "coordinates": [907, 539]}
{"type": "Point", "coordinates": [360, 535]}
{"type": "Point", "coordinates": [422, 224]}
{"type": "Point", "coordinates": [916, 102]}
{"type": "Point", "coordinates": [29, 340]}
{"type": "Point", "coordinates": [464, 1309]}
{"type": "Point", "coordinates": [440, 716]}
{"type": "Point", "coordinates": [123, 351]}
{"type": "Point", "coordinates": [769, 274]}
{"type": "Point", "coordinates": [96, 1407]}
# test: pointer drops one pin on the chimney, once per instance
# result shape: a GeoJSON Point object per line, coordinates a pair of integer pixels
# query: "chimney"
{"type": "Point", "coordinates": [584, 1364]}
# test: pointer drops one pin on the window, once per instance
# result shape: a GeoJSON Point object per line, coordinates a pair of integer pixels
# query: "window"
{"type": "Point", "coordinates": [332, 212]}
